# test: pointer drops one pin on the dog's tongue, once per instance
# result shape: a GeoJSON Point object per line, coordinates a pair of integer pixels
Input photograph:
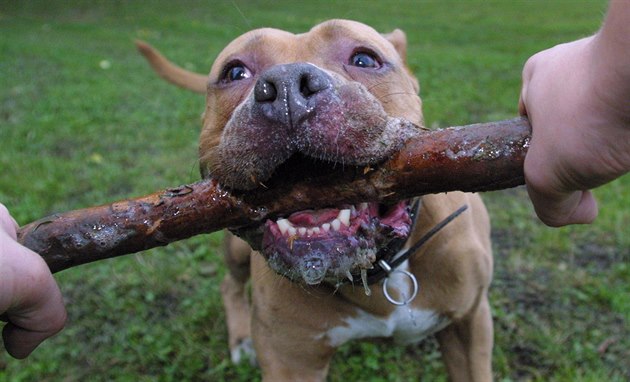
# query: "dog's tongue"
{"type": "Point", "coordinates": [313, 218]}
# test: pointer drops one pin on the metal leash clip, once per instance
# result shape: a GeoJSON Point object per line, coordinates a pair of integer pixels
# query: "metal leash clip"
{"type": "Point", "coordinates": [388, 269]}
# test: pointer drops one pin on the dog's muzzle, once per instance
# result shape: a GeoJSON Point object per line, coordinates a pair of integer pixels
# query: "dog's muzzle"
{"type": "Point", "coordinates": [300, 109]}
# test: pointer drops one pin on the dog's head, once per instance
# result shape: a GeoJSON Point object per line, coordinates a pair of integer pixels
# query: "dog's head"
{"type": "Point", "coordinates": [326, 97]}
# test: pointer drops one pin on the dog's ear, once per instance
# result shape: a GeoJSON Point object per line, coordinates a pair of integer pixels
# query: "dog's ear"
{"type": "Point", "coordinates": [398, 39]}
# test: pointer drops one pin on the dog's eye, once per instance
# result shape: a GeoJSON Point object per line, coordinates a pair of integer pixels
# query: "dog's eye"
{"type": "Point", "coordinates": [365, 60]}
{"type": "Point", "coordinates": [235, 72]}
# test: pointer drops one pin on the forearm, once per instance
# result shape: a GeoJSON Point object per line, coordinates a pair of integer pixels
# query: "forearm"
{"type": "Point", "coordinates": [615, 31]}
{"type": "Point", "coordinates": [611, 54]}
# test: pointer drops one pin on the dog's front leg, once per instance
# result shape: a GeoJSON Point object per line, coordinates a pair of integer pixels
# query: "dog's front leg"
{"type": "Point", "coordinates": [466, 346]}
{"type": "Point", "coordinates": [236, 299]}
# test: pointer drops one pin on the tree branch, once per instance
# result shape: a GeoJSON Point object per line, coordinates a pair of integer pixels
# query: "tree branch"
{"type": "Point", "coordinates": [474, 158]}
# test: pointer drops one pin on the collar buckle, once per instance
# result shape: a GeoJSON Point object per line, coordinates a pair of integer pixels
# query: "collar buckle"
{"type": "Point", "coordinates": [414, 282]}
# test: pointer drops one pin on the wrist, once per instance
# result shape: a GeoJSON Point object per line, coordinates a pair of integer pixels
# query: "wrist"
{"type": "Point", "coordinates": [610, 58]}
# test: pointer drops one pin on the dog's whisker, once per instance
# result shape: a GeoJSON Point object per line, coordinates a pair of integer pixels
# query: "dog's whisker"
{"type": "Point", "coordinates": [394, 94]}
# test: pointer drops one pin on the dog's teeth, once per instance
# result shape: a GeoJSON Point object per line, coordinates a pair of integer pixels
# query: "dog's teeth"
{"type": "Point", "coordinates": [284, 225]}
{"type": "Point", "coordinates": [335, 224]}
{"type": "Point", "coordinates": [363, 206]}
{"type": "Point", "coordinates": [315, 231]}
{"type": "Point", "coordinates": [349, 276]}
{"type": "Point", "coordinates": [309, 232]}
{"type": "Point", "coordinates": [344, 217]}
{"type": "Point", "coordinates": [368, 292]}
{"type": "Point", "coordinates": [302, 231]}
{"type": "Point", "coordinates": [326, 227]}
{"type": "Point", "coordinates": [292, 231]}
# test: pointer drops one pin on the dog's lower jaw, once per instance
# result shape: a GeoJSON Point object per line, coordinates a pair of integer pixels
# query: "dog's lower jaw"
{"type": "Point", "coordinates": [332, 245]}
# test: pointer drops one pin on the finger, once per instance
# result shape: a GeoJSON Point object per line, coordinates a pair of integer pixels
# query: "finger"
{"type": "Point", "coordinates": [7, 223]}
{"type": "Point", "coordinates": [36, 310]}
{"type": "Point", "coordinates": [526, 77]}
{"type": "Point", "coordinates": [522, 99]}
{"type": "Point", "coordinates": [522, 109]}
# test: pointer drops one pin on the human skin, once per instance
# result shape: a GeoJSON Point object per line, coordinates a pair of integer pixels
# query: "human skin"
{"type": "Point", "coordinates": [576, 96]}
{"type": "Point", "coordinates": [30, 299]}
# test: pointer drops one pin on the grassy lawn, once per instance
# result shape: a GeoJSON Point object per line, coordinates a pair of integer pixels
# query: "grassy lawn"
{"type": "Point", "coordinates": [83, 121]}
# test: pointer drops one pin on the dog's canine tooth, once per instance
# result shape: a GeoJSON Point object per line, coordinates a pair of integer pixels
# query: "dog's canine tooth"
{"type": "Point", "coordinates": [344, 217]}
{"type": "Point", "coordinates": [368, 292]}
{"type": "Point", "coordinates": [292, 231]}
{"type": "Point", "coordinates": [284, 225]}
{"type": "Point", "coordinates": [335, 224]}
{"type": "Point", "coordinates": [326, 227]}
{"type": "Point", "coordinates": [302, 231]}
{"type": "Point", "coordinates": [349, 276]}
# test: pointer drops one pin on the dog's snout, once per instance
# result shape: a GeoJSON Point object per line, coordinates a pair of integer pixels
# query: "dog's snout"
{"type": "Point", "coordinates": [265, 91]}
{"type": "Point", "coordinates": [284, 92]}
{"type": "Point", "coordinates": [313, 82]}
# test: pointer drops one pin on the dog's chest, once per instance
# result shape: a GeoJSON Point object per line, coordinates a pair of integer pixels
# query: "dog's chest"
{"type": "Point", "coordinates": [405, 324]}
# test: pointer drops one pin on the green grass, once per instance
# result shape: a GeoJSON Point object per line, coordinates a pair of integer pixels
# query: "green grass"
{"type": "Point", "coordinates": [74, 135]}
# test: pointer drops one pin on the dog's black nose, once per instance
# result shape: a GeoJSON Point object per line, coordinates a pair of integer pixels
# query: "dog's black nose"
{"type": "Point", "coordinates": [284, 92]}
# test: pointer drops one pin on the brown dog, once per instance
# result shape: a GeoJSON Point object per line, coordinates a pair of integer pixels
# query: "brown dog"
{"type": "Point", "coordinates": [275, 99]}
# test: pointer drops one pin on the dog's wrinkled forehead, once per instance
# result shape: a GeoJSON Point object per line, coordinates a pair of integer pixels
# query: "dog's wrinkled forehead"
{"type": "Point", "coordinates": [329, 45]}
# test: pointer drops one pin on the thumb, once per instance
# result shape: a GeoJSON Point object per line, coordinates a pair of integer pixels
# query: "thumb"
{"type": "Point", "coordinates": [20, 342]}
{"type": "Point", "coordinates": [579, 207]}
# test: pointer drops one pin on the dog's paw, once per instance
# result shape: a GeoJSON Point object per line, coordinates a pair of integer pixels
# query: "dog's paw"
{"type": "Point", "coordinates": [244, 351]}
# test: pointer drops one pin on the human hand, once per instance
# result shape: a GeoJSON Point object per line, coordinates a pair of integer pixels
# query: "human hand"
{"type": "Point", "coordinates": [30, 299]}
{"type": "Point", "coordinates": [578, 107]}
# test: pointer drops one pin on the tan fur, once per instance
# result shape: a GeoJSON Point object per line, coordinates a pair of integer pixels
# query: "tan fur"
{"type": "Point", "coordinates": [291, 324]}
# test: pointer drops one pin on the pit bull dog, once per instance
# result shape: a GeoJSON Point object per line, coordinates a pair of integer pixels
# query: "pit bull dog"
{"type": "Point", "coordinates": [320, 278]}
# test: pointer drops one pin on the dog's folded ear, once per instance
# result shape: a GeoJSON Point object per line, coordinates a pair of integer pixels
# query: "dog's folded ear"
{"type": "Point", "coordinates": [398, 39]}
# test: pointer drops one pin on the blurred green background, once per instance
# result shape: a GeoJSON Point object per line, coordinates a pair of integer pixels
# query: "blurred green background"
{"type": "Point", "coordinates": [84, 121]}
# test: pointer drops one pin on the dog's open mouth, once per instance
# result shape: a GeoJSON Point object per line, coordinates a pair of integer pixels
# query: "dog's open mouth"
{"type": "Point", "coordinates": [334, 244]}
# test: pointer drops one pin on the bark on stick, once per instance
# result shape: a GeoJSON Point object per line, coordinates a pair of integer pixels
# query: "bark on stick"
{"type": "Point", "coordinates": [473, 158]}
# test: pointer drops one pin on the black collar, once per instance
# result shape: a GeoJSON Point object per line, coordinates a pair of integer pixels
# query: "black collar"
{"type": "Point", "coordinates": [392, 253]}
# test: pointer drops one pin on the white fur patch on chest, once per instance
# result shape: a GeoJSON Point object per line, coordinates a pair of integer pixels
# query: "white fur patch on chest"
{"type": "Point", "coordinates": [405, 324]}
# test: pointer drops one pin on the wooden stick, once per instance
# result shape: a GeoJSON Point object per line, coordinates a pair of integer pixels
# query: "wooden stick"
{"type": "Point", "coordinates": [474, 158]}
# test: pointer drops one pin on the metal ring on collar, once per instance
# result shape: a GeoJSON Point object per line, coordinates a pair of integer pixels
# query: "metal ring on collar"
{"type": "Point", "coordinates": [411, 277]}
